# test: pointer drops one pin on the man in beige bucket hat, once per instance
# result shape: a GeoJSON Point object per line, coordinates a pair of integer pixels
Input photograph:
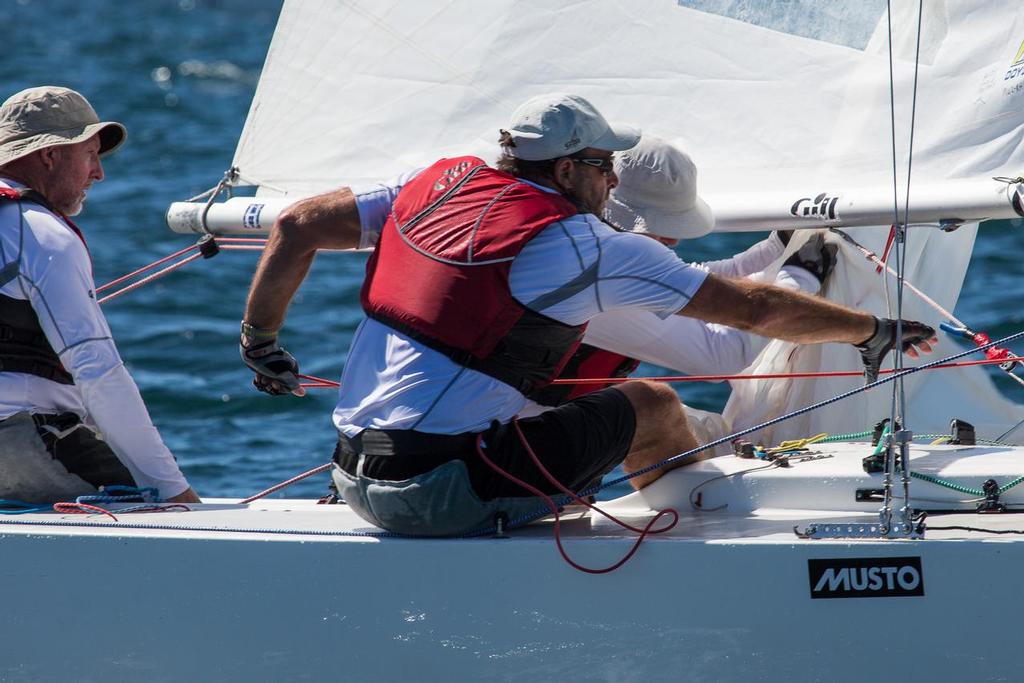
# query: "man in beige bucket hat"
{"type": "Point", "coordinates": [71, 417]}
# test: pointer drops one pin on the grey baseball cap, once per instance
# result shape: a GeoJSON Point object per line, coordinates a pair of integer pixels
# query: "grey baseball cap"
{"type": "Point", "coordinates": [48, 116]}
{"type": "Point", "coordinates": [558, 124]}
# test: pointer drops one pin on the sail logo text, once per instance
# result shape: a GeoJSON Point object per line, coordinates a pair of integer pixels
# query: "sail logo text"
{"type": "Point", "coordinates": [875, 577]}
{"type": "Point", "coordinates": [821, 206]}
{"type": "Point", "coordinates": [1017, 66]}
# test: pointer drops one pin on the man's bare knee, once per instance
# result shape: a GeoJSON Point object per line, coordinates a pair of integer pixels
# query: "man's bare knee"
{"type": "Point", "coordinates": [655, 400]}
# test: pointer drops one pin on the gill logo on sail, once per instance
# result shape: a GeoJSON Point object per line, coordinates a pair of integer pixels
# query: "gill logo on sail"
{"type": "Point", "coordinates": [821, 207]}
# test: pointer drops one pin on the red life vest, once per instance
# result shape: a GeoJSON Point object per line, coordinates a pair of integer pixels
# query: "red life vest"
{"type": "Point", "coordinates": [23, 344]}
{"type": "Point", "coordinates": [440, 272]}
{"type": "Point", "coordinates": [588, 362]}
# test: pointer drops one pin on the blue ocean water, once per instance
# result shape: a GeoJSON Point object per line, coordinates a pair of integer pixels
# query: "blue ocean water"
{"type": "Point", "coordinates": [180, 74]}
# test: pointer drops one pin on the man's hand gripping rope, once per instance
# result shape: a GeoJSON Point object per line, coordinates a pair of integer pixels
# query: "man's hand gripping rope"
{"type": "Point", "coordinates": [915, 337]}
{"type": "Point", "coordinates": [276, 369]}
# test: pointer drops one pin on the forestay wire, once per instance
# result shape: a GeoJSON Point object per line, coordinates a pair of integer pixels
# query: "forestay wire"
{"type": "Point", "coordinates": [898, 405]}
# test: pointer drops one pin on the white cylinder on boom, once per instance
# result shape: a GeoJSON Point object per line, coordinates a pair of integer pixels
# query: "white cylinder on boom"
{"type": "Point", "coordinates": [238, 215]}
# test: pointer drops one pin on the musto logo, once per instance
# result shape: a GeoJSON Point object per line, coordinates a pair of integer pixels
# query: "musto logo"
{"type": "Point", "coordinates": [820, 207]}
{"type": "Point", "coordinates": [871, 577]}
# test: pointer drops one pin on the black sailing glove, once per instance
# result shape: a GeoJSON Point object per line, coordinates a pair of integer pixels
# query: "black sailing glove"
{"type": "Point", "coordinates": [874, 349]}
{"type": "Point", "coordinates": [275, 368]}
{"type": "Point", "coordinates": [816, 257]}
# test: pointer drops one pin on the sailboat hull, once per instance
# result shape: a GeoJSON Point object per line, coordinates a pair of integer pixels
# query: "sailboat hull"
{"type": "Point", "coordinates": [723, 597]}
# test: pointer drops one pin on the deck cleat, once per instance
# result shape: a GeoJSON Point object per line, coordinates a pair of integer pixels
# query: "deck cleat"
{"type": "Point", "coordinates": [991, 504]}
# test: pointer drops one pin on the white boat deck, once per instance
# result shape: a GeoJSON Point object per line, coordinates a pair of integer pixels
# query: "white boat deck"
{"type": "Point", "coordinates": [741, 501]}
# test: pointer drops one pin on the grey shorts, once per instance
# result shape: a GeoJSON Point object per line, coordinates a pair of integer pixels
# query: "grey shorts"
{"type": "Point", "coordinates": [437, 485]}
{"type": "Point", "coordinates": [54, 458]}
{"type": "Point", "coordinates": [440, 502]}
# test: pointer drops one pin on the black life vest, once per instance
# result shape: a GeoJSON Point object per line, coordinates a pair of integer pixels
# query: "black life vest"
{"type": "Point", "coordinates": [23, 344]}
{"type": "Point", "coordinates": [440, 272]}
{"type": "Point", "coordinates": [588, 362]}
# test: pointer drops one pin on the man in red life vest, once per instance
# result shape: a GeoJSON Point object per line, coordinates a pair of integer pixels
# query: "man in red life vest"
{"type": "Point", "coordinates": [61, 378]}
{"type": "Point", "coordinates": [478, 291]}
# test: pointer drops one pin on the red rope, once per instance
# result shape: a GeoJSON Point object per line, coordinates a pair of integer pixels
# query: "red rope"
{"type": "Point", "coordinates": [289, 482]}
{"type": "Point", "coordinates": [885, 252]}
{"type": "Point", "coordinates": [780, 375]}
{"type": "Point", "coordinates": [228, 243]}
{"type": "Point", "coordinates": [320, 383]}
{"type": "Point", "coordinates": [143, 269]}
{"type": "Point", "coordinates": [646, 531]}
{"type": "Point", "coordinates": [82, 509]}
{"type": "Point", "coordinates": [150, 278]}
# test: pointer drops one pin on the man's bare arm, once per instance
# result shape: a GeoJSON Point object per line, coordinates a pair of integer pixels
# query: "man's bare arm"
{"type": "Point", "coordinates": [778, 313]}
{"type": "Point", "coordinates": [797, 317]}
{"type": "Point", "coordinates": [327, 221]}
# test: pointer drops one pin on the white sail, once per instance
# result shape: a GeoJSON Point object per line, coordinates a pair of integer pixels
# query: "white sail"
{"type": "Point", "coordinates": [359, 91]}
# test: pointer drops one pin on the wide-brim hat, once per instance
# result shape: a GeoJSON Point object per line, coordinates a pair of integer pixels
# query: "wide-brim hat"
{"type": "Point", "coordinates": [558, 125]}
{"type": "Point", "coordinates": [49, 116]}
{"type": "Point", "coordinates": [657, 193]}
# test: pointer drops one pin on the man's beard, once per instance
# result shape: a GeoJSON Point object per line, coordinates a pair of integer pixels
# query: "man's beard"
{"type": "Point", "coordinates": [583, 205]}
{"type": "Point", "coordinates": [70, 205]}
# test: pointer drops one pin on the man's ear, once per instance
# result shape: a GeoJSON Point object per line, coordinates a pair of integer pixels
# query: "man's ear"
{"type": "Point", "coordinates": [49, 157]}
{"type": "Point", "coordinates": [561, 172]}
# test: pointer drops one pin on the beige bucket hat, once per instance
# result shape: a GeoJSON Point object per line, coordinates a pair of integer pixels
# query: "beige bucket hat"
{"type": "Point", "coordinates": [657, 192]}
{"type": "Point", "coordinates": [48, 116]}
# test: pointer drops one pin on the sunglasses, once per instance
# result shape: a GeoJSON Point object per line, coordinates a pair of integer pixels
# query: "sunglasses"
{"type": "Point", "coordinates": [604, 164]}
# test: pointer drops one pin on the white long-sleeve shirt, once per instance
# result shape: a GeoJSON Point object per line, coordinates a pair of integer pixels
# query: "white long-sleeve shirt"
{"type": "Point", "coordinates": [54, 274]}
{"type": "Point", "coordinates": [691, 346]}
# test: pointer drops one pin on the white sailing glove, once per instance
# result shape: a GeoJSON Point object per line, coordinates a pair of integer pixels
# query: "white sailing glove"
{"type": "Point", "coordinates": [275, 368]}
{"type": "Point", "coordinates": [815, 256]}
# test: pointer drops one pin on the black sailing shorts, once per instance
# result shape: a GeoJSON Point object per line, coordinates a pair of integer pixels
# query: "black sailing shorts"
{"type": "Point", "coordinates": [437, 485]}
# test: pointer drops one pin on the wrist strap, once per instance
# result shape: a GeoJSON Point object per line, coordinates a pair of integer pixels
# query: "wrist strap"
{"type": "Point", "coordinates": [258, 334]}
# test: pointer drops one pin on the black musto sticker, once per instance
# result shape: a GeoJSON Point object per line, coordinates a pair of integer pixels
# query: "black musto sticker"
{"type": "Point", "coordinates": [866, 577]}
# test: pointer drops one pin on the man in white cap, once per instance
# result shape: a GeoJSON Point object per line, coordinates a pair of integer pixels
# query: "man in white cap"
{"type": "Point", "coordinates": [657, 196]}
{"type": "Point", "coordinates": [71, 418]}
{"type": "Point", "coordinates": [478, 291]}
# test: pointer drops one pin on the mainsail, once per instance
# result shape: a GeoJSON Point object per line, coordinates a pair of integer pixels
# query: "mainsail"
{"type": "Point", "coordinates": [789, 124]}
